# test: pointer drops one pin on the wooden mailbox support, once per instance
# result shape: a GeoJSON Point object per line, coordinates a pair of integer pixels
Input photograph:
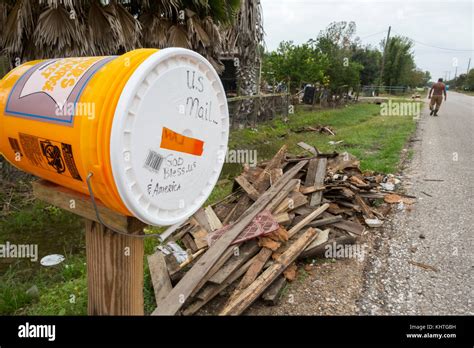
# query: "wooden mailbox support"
{"type": "Point", "coordinates": [114, 260]}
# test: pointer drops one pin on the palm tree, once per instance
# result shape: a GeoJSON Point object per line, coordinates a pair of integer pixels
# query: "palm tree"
{"type": "Point", "coordinates": [244, 40]}
{"type": "Point", "coordinates": [32, 29]}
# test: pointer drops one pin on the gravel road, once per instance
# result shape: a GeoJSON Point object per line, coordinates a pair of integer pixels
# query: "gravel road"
{"type": "Point", "coordinates": [421, 261]}
{"type": "Point", "coordinates": [437, 233]}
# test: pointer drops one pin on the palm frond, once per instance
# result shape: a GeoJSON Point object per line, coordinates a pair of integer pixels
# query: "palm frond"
{"type": "Point", "coordinates": [212, 31]}
{"type": "Point", "coordinates": [101, 33]}
{"type": "Point", "coordinates": [55, 3]}
{"type": "Point", "coordinates": [3, 22]}
{"type": "Point", "coordinates": [196, 32]}
{"type": "Point", "coordinates": [130, 28]}
{"type": "Point", "coordinates": [58, 35]}
{"type": "Point", "coordinates": [155, 30]}
{"type": "Point", "coordinates": [178, 37]}
{"type": "Point", "coordinates": [18, 25]}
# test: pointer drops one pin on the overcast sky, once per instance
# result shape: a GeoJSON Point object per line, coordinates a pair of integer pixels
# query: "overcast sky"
{"type": "Point", "coordinates": [446, 24]}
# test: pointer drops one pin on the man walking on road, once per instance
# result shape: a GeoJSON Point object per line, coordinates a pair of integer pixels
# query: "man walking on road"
{"type": "Point", "coordinates": [438, 89]}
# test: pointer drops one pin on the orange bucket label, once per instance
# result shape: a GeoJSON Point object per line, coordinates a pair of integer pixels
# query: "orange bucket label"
{"type": "Point", "coordinates": [50, 90]}
{"type": "Point", "coordinates": [171, 140]}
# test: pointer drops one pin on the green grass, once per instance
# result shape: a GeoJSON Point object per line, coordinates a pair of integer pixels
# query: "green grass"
{"type": "Point", "coordinates": [471, 93]}
{"type": "Point", "coordinates": [62, 289]}
{"type": "Point", "coordinates": [376, 140]}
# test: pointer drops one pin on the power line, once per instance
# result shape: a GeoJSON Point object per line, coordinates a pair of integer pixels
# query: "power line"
{"type": "Point", "coordinates": [366, 36]}
{"type": "Point", "coordinates": [419, 42]}
{"type": "Point", "coordinates": [441, 48]}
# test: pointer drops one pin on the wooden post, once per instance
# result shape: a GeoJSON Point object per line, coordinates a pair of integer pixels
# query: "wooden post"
{"type": "Point", "coordinates": [114, 272]}
{"type": "Point", "coordinates": [114, 260]}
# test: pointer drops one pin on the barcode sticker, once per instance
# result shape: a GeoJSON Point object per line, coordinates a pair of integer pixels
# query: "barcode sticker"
{"type": "Point", "coordinates": [153, 161]}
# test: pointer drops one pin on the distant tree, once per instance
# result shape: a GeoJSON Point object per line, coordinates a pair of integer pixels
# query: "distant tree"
{"type": "Point", "coordinates": [460, 81]}
{"type": "Point", "coordinates": [297, 63]}
{"type": "Point", "coordinates": [335, 42]}
{"type": "Point", "coordinates": [427, 77]}
{"type": "Point", "coordinates": [469, 84]}
{"type": "Point", "coordinates": [370, 59]}
{"type": "Point", "coordinates": [399, 61]}
{"type": "Point", "coordinates": [418, 78]}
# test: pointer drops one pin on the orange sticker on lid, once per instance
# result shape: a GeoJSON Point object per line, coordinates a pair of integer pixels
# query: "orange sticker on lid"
{"type": "Point", "coordinates": [171, 140]}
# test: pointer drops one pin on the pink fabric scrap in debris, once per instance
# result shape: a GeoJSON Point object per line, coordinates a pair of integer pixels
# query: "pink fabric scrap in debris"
{"type": "Point", "coordinates": [264, 223]}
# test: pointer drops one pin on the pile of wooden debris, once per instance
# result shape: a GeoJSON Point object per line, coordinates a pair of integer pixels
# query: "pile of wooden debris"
{"type": "Point", "coordinates": [318, 128]}
{"type": "Point", "coordinates": [282, 210]}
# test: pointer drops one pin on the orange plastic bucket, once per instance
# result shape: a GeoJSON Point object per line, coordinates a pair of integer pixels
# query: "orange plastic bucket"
{"type": "Point", "coordinates": [151, 126]}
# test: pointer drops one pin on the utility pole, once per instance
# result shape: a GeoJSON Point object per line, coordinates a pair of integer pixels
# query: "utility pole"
{"type": "Point", "coordinates": [468, 66]}
{"type": "Point", "coordinates": [384, 54]}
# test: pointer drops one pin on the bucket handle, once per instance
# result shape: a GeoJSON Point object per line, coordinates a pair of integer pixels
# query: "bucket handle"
{"type": "Point", "coordinates": [96, 209]}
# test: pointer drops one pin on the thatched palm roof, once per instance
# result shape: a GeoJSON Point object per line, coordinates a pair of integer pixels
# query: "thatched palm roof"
{"type": "Point", "coordinates": [31, 29]}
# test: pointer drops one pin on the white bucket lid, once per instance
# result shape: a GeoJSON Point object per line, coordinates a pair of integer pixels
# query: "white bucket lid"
{"type": "Point", "coordinates": [177, 90]}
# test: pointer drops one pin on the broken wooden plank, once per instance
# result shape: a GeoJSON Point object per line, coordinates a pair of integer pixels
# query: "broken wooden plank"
{"type": "Point", "coordinates": [212, 218]}
{"type": "Point", "coordinates": [303, 211]}
{"type": "Point", "coordinates": [173, 231]}
{"type": "Point", "coordinates": [295, 229]}
{"type": "Point", "coordinates": [283, 218]}
{"type": "Point", "coordinates": [320, 250]}
{"type": "Point", "coordinates": [181, 292]}
{"type": "Point", "coordinates": [325, 221]}
{"type": "Point", "coordinates": [311, 172]}
{"type": "Point", "coordinates": [173, 267]}
{"type": "Point", "coordinates": [222, 209]}
{"type": "Point", "coordinates": [310, 189]}
{"type": "Point", "coordinates": [255, 269]}
{"type": "Point", "coordinates": [251, 293]}
{"type": "Point", "coordinates": [248, 188]}
{"type": "Point", "coordinates": [273, 293]}
{"type": "Point", "coordinates": [230, 215]}
{"type": "Point", "coordinates": [365, 208]}
{"type": "Point", "coordinates": [212, 290]}
{"type": "Point", "coordinates": [350, 226]}
{"type": "Point", "coordinates": [318, 181]}
{"type": "Point", "coordinates": [308, 148]}
{"type": "Point", "coordinates": [231, 250]}
{"type": "Point", "coordinates": [189, 243]}
{"type": "Point", "coordinates": [159, 276]}
{"type": "Point", "coordinates": [200, 237]}
{"type": "Point", "coordinates": [275, 175]}
{"type": "Point", "coordinates": [322, 237]}
{"type": "Point", "coordinates": [201, 218]}
{"type": "Point", "coordinates": [245, 252]}
{"type": "Point", "coordinates": [275, 202]}
{"type": "Point", "coordinates": [372, 195]}
{"type": "Point", "coordinates": [261, 184]}
{"type": "Point", "coordinates": [252, 173]}
{"type": "Point", "coordinates": [293, 201]}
